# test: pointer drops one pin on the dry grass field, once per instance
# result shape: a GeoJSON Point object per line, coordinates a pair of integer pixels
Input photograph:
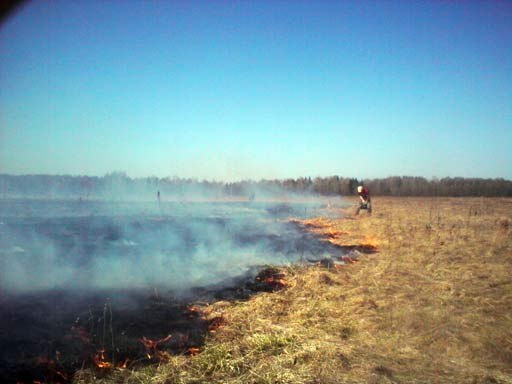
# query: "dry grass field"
{"type": "Point", "coordinates": [432, 305]}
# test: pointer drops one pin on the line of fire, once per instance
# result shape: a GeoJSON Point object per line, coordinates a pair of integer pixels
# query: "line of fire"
{"type": "Point", "coordinates": [48, 336]}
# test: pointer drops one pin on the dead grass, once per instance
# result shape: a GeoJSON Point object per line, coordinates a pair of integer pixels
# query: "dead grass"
{"type": "Point", "coordinates": [433, 305]}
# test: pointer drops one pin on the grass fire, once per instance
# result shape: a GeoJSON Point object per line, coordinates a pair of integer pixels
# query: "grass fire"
{"type": "Point", "coordinates": [255, 192]}
{"type": "Point", "coordinates": [428, 301]}
{"type": "Point", "coordinates": [417, 292]}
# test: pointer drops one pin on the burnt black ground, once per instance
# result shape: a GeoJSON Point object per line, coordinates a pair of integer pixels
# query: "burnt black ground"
{"type": "Point", "coordinates": [47, 334]}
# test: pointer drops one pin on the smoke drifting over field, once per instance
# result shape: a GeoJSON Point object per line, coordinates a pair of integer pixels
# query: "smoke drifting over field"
{"type": "Point", "coordinates": [95, 245]}
{"type": "Point", "coordinates": [63, 263]}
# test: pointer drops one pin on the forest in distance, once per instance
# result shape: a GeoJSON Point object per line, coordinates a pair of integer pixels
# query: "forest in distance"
{"type": "Point", "coordinates": [116, 185]}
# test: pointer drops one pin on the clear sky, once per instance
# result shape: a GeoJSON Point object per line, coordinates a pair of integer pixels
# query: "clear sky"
{"type": "Point", "coordinates": [231, 90]}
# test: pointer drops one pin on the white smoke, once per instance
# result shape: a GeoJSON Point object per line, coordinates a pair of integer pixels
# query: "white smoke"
{"type": "Point", "coordinates": [93, 245]}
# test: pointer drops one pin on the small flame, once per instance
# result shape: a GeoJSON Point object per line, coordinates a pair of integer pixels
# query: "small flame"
{"type": "Point", "coordinates": [124, 365]}
{"type": "Point", "coordinates": [216, 323]}
{"type": "Point", "coordinates": [193, 311]}
{"type": "Point", "coordinates": [278, 282]}
{"type": "Point", "coordinates": [99, 360]}
{"type": "Point", "coordinates": [193, 351]}
{"type": "Point", "coordinates": [151, 346]}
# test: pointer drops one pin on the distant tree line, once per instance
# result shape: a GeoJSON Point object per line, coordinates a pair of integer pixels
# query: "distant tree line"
{"type": "Point", "coordinates": [118, 185]}
{"type": "Point", "coordinates": [402, 186]}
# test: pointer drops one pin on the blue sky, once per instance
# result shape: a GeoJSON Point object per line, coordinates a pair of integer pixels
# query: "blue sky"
{"type": "Point", "coordinates": [231, 90]}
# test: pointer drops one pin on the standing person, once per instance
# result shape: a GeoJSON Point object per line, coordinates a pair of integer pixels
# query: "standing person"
{"type": "Point", "coordinates": [364, 196]}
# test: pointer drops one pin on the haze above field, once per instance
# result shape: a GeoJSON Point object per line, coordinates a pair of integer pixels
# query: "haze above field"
{"type": "Point", "coordinates": [250, 90]}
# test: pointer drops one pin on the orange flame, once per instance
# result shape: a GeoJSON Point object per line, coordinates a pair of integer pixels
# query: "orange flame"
{"type": "Point", "coordinates": [274, 280]}
{"type": "Point", "coordinates": [151, 346]}
{"type": "Point", "coordinates": [193, 351]}
{"type": "Point", "coordinates": [99, 360]}
{"type": "Point", "coordinates": [124, 365]}
{"type": "Point", "coordinates": [216, 323]}
{"type": "Point", "coordinates": [193, 311]}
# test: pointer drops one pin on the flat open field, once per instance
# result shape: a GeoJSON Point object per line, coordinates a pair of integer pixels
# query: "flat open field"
{"type": "Point", "coordinates": [432, 305]}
